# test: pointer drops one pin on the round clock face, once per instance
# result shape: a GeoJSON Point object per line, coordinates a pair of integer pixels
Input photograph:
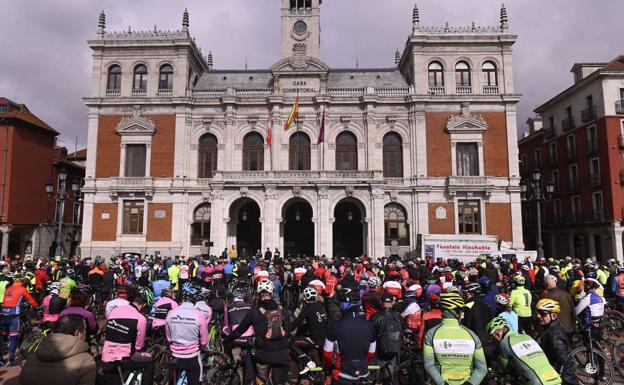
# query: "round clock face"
{"type": "Point", "coordinates": [300, 27]}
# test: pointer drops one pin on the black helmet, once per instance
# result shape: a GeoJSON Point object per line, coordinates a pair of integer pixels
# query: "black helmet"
{"type": "Point", "coordinates": [347, 294]}
{"type": "Point", "coordinates": [81, 290]}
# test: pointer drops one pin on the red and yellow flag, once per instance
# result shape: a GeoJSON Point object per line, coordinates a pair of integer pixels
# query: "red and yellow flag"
{"type": "Point", "coordinates": [270, 126]}
{"type": "Point", "coordinates": [294, 114]}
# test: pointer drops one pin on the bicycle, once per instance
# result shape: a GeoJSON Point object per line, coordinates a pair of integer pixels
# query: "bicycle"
{"type": "Point", "coordinates": [592, 364]}
{"type": "Point", "coordinates": [318, 376]}
{"type": "Point", "coordinates": [32, 342]}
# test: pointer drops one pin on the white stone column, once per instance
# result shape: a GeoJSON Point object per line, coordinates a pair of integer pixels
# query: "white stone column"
{"type": "Point", "coordinates": [325, 224]}
{"type": "Point", "coordinates": [271, 229]}
{"type": "Point", "coordinates": [5, 230]}
{"type": "Point", "coordinates": [180, 152]}
{"type": "Point", "coordinates": [591, 245]}
{"type": "Point", "coordinates": [217, 227]}
{"type": "Point", "coordinates": [418, 129]}
{"type": "Point", "coordinates": [377, 224]}
{"type": "Point", "coordinates": [92, 137]}
{"type": "Point", "coordinates": [517, 237]}
{"type": "Point", "coordinates": [616, 239]}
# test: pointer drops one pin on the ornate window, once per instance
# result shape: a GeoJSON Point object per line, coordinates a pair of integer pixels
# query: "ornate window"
{"type": "Point", "coordinates": [165, 81]}
{"type": "Point", "coordinates": [467, 158]}
{"type": "Point", "coordinates": [396, 226]}
{"type": "Point", "coordinates": [300, 4]}
{"type": "Point", "coordinates": [436, 75]}
{"type": "Point", "coordinates": [201, 225]}
{"type": "Point", "coordinates": [140, 78]}
{"type": "Point", "coordinates": [299, 152]}
{"type": "Point", "coordinates": [113, 81]}
{"type": "Point", "coordinates": [392, 155]}
{"type": "Point", "coordinates": [136, 156]}
{"type": "Point", "coordinates": [346, 152]}
{"type": "Point", "coordinates": [133, 217]}
{"type": "Point", "coordinates": [253, 152]}
{"type": "Point", "coordinates": [490, 76]}
{"type": "Point", "coordinates": [462, 74]}
{"type": "Point", "coordinates": [207, 154]}
{"type": "Point", "coordinates": [468, 217]}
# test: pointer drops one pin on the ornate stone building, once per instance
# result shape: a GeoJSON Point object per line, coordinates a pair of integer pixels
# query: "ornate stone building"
{"type": "Point", "coordinates": [179, 153]}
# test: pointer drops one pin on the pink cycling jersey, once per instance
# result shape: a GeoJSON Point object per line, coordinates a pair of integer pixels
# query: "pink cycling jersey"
{"type": "Point", "coordinates": [125, 333]}
{"type": "Point", "coordinates": [186, 329]}
{"type": "Point", "coordinates": [162, 307]}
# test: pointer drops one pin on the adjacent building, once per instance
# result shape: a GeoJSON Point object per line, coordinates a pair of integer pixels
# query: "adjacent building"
{"type": "Point", "coordinates": [577, 144]}
{"type": "Point", "coordinates": [29, 160]}
{"type": "Point", "coordinates": [183, 155]}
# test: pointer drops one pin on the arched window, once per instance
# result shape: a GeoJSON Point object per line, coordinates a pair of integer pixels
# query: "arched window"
{"type": "Point", "coordinates": [113, 82]}
{"type": "Point", "coordinates": [346, 151]}
{"type": "Point", "coordinates": [253, 152]}
{"type": "Point", "coordinates": [140, 77]}
{"type": "Point", "coordinates": [165, 81]}
{"type": "Point", "coordinates": [396, 226]}
{"type": "Point", "coordinates": [299, 152]}
{"type": "Point", "coordinates": [207, 156]}
{"type": "Point", "coordinates": [490, 76]}
{"type": "Point", "coordinates": [462, 74]}
{"type": "Point", "coordinates": [392, 155]}
{"type": "Point", "coordinates": [201, 225]}
{"type": "Point", "coordinates": [436, 75]}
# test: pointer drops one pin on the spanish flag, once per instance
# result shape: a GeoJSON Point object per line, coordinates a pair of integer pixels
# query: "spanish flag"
{"type": "Point", "coordinates": [269, 126]}
{"type": "Point", "coordinates": [294, 114]}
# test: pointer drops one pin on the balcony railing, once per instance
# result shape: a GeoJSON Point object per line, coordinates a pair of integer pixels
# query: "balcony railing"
{"type": "Point", "coordinates": [588, 114]}
{"type": "Point", "coordinates": [554, 161]}
{"type": "Point", "coordinates": [571, 153]}
{"type": "Point", "coordinates": [437, 90]}
{"type": "Point", "coordinates": [463, 90]}
{"type": "Point", "coordinates": [619, 107]}
{"type": "Point", "coordinates": [573, 218]}
{"type": "Point", "coordinates": [567, 124]}
{"type": "Point", "coordinates": [113, 93]}
{"type": "Point", "coordinates": [621, 142]}
{"type": "Point", "coordinates": [165, 92]}
{"type": "Point", "coordinates": [139, 92]}
{"type": "Point", "coordinates": [594, 216]}
{"type": "Point", "coordinates": [490, 90]}
{"type": "Point", "coordinates": [573, 185]}
{"type": "Point", "coordinates": [592, 146]}
{"type": "Point", "coordinates": [296, 175]}
{"type": "Point", "coordinates": [555, 219]}
{"type": "Point", "coordinates": [594, 179]}
{"type": "Point", "coordinates": [549, 132]}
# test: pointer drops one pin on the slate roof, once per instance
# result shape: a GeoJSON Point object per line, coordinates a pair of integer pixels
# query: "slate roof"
{"type": "Point", "coordinates": [21, 112]}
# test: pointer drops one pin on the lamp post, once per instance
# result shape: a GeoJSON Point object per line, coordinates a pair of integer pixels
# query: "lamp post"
{"type": "Point", "coordinates": [534, 189]}
{"type": "Point", "coordinates": [60, 197]}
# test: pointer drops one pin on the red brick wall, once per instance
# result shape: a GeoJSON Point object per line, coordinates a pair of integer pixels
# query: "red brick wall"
{"type": "Point", "coordinates": [108, 154]}
{"type": "Point", "coordinates": [159, 229]}
{"type": "Point", "coordinates": [442, 226]}
{"type": "Point", "coordinates": [104, 229]}
{"type": "Point", "coordinates": [498, 217]}
{"type": "Point", "coordinates": [495, 152]}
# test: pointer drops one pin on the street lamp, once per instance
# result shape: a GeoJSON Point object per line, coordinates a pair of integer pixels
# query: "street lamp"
{"type": "Point", "coordinates": [536, 190]}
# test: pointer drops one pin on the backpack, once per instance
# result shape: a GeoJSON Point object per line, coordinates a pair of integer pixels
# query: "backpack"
{"type": "Point", "coordinates": [275, 330]}
{"type": "Point", "coordinates": [390, 336]}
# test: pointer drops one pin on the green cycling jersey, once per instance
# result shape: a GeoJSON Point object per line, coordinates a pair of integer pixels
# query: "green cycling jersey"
{"type": "Point", "coordinates": [453, 354]}
{"type": "Point", "coordinates": [528, 358]}
{"type": "Point", "coordinates": [520, 301]}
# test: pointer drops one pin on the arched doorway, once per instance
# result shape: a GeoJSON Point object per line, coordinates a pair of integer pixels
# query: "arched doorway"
{"type": "Point", "coordinates": [245, 221]}
{"type": "Point", "coordinates": [349, 230]}
{"type": "Point", "coordinates": [298, 228]}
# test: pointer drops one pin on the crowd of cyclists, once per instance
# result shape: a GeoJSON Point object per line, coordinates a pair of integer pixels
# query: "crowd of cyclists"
{"type": "Point", "coordinates": [268, 319]}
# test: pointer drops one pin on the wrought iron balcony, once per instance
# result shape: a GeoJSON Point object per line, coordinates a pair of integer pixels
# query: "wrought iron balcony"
{"type": "Point", "coordinates": [594, 179]}
{"type": "Point", "coordinates": [588, 114]}
{"type": "Point", "coordinates": [573, 218]}
{"type": "Point", "coordinates": [567, 124]}
{"type": "Point", "coordinates": [621, 142]}
{"type": "Point", "coordinates": [554, 161]}
{"type": "Point", "coordinates": [571, 153]}
{"type": "Point", "coordinates": [592, 146]}
{"type": "Point", "coordinates": [594, 216]}
{"type": "Point", "coordinates": [619, 107]}
{"type": "Point", "coordinates": [573, 185]}
{"type": "Point", "coordinates": [549, 132]}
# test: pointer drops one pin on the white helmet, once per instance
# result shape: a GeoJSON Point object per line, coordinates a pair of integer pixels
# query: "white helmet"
{"type": "Point", "coordinates": [265, 286]}
{"type": "Point", "coordinates": [310, 294]}
{"type": "Point", "coordinates": [374, 282]}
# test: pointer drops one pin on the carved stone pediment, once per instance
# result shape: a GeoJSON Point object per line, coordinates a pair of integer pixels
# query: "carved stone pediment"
{"type": "Point", "coordinates": [466, 122]}
{"type": "Point", "coordinates": [299, 63]}
{"type": "Point", "coordinates": [136, 124]}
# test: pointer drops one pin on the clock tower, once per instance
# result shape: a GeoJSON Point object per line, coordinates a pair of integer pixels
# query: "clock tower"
{"type": "Point", "coordinates": [301, 28]}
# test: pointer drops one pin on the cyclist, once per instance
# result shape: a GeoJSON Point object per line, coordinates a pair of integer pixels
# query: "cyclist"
{"type": "Point", "coordinates": [389, 336]}
{"type": "Point", "coordinates": [79, 301]}
{"type": "Point", "coordinates": [126, 329]}
{"type": "Point", "coordinates": [235, 312]}
{"type": "Point", "coordinates": [67, 283]}
{"type": "Point", "coordinates": [187, 331]}
{"type": "Point", "coordinates": [10, 321]}
{"type": "Point", "coordinates": [202, 304]}
{"type": "Point", "coordinates": [121, 299]}
{"type": "Point", "coordinates": [452, 353]}
{"type": "Point", "coordinates": [372, 298]}
{"type": "Point", "coordinates": [555, 340]}
{"type": "Point", "coordinates": [525, 355]}
{"type": "Point", "coordinates": [520, 303]}
{"type": "Point", "coordinates": [162, 307]}
{"type": "Point", "coordinates": [270, 322]}
{"type": "Point", "coordinates": [53, 305]}
{"type": "Point", "coordinates": [312, 325]}
{"type": "Point", "coordinates": [504, 310]}
{"type": "Point", "coordinates": [353, 340]}
{"type": "Point", "coordinates": [590, 308]}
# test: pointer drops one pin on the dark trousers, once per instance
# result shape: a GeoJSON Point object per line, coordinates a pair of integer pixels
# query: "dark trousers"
{"type": "Point", "coordinates": [525, 324]}
{"type": "Point", "coordinates": [279, 373]}
{"type": "Point", "coordinates": [111, 372]}
{"type": "Point", "coordinates": [193, 368]}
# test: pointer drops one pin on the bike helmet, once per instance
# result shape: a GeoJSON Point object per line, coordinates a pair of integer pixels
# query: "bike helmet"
{"type": "Point", "coordinates": [592, 283]}
{"type": "Point", "coordinates": [81, 290]}
{"type": "Point", "coordinates": [525, 267]}
{"type": "Point", "coordinates": [310, 295]}
{"type": "Point", "coordinates": [399, 265]}
{"type": "Point", "coordinates": [548, 305]}
{"type": "Point", "coordinates": [451, 301]}
{"type": "Point", "coordinates": [189, 289]}
{"type": "Point", "coordinates": [591, 275]}
{"type": "Point", "coordinates": [363, 282]}
{"type": "Point", "coordinates": [204, 293]}
{"type": "Point", "coordinates": [265, 286]}
{"type": "Point", "coordinates": [147, 295]}
{"type": "Point", "coordinates": [54, 286]}
{"type": "Point", "coordinates": [502, 299]}
{"type": "Point", "coordinates": [409, 294]}
{"type": "Point", "coordinates": [496, 324]}
{"type": "Point", "coordinates": [166, 292]}
{"type": "Point", "coordinates": [239, 293]}
{"type": "Point", "coordinates": [374, 282]}
{"type": "Point", "coordinates": [348, 295]}
{"type": "Point", "coordinates": [472, 288]}
{"type": "Point", "coordinates": [519, 280]}
{"type": "Point", "coordinates": [451, 288]}
{"type": "Point", "coordinates": [485, 281]}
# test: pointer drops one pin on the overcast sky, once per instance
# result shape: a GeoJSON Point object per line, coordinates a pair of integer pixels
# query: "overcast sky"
{"type": "Point", "coordinates": [45, 62]}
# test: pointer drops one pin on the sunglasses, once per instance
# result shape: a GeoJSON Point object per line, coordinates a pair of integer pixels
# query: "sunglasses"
{"type": "Point", "coordinates": [542, 313]}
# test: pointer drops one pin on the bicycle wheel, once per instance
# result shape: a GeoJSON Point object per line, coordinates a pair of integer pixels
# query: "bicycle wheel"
{"type": "Point", "coordinates": [160, 356]}
{"type": "Point", "coordinates": [30, 344]}
{"type": "Point", "coordinates": [613, 327]}
{"type": "Point", "coordinates": [592, 367]}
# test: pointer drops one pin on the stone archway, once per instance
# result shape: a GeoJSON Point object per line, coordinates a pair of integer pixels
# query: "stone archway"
{"type": "Point", "coordinates": [245, 226]}
{"type": "Point", "coordinates": [349, 230]}
{"type": "Point", "coordinates": [297, 228]}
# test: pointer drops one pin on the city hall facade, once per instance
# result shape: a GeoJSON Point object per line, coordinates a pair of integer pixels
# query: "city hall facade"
{"type": "Point", "coordinates": [182, 155]}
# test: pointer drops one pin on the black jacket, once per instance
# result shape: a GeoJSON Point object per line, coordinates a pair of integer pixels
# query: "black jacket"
{"type": "Point", "coordinates": [314, 317]}
{"type": "Point", "coordinates": [556, 346]}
